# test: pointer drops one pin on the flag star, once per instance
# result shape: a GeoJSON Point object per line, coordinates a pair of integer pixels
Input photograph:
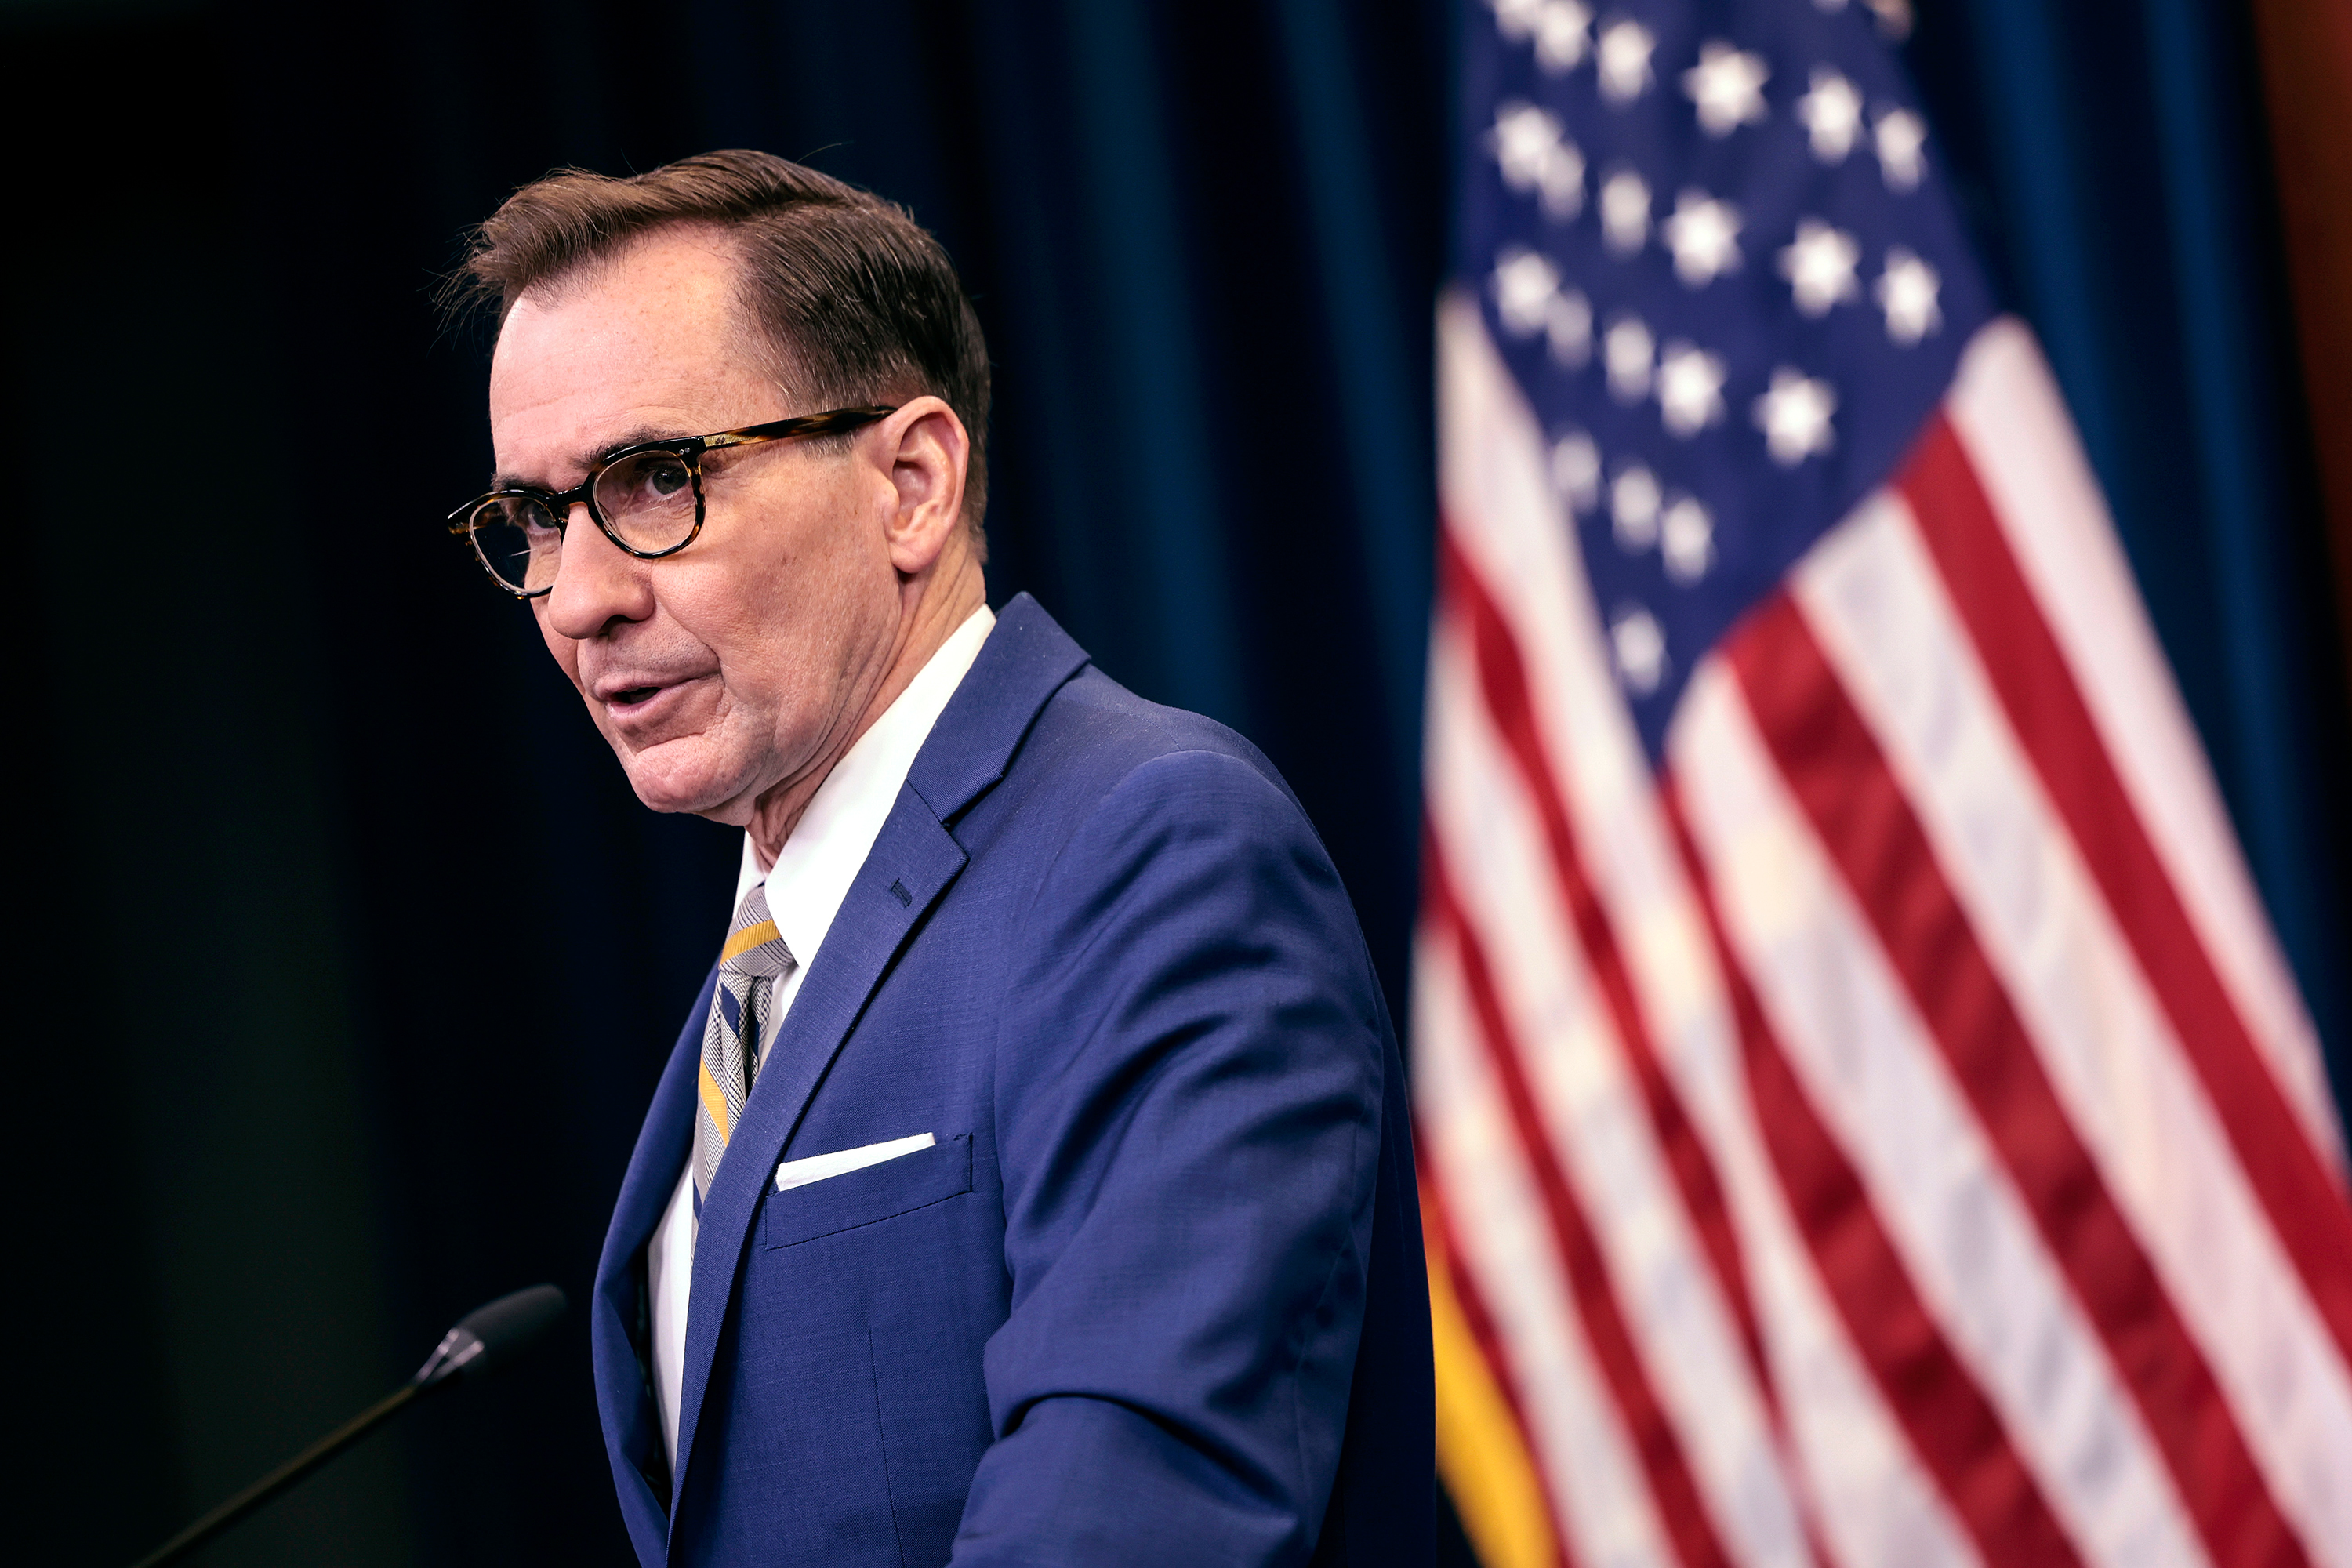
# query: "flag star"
{"type": "Point", "coordinates": [1906, 291]}
{"type": "Point", "coordinates": [1686, 540]}
{"type": "Point", "coordinates": [1525, 285]}
{"type": "Point", "coordinates": [1624, 60]}
{"type": "Point", "coordinates": [1624, 212]}
{"type": "Point", "coordinates": [1819, 267]}
{"type": "Point", "coordinates": [1704, 235]}
{"type": "Point", "coordinates": [1568, 328]}
{"type": "Point", "coordinates": [1523, 140]}
{"type": "Point", "coordinates": [1562, 183]}
{"type": "Point", "coordinates": [1576, 470]}
{"type": "Point", "coordinates": [1795, 415]}
{"type": "Point", "coordinates": [1533, 156]}
{"type": "Point", "coordinates": [1633, 508]}
{"type": "Point", "coordinates": [1625, 350]}
{"type": "Point", "coordinates": [1899, 137]}
{"type": "Point", "coordinates": [1515, 19]}
{"type": "Point", "coordinates": [1729, 88]}
{"type": "Point", "coordinates": [1690, 388]}
{"type": "Point", "coordinates": [1564, 36]}
{"type": "Point", "coordinates": [1640, 648]}
{"type": "Point", "coordinates": [1832, 115]}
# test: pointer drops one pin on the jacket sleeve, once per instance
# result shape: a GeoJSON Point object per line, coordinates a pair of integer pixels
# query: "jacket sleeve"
{"type": "Point", "coordinates": [1188, 1106]}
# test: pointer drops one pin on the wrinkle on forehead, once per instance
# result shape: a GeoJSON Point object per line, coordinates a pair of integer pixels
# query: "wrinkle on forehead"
{"type": "Point", "coordinates": [750, 336]}
{"type": "Point", "coordinates": [646, 345]}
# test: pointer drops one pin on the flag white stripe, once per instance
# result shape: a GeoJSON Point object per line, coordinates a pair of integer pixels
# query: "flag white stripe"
{"type": "Point", "coordinates": [1878, 609]}
{"type": "Point", "coordinates": [1599, 1122]}
{"type": "Point", "coordinates": [1882, 1089]}
{"type": "Point", "coordinates": [1602, 1501]}
{"type": "Point", "coordinates": [2014, 427]}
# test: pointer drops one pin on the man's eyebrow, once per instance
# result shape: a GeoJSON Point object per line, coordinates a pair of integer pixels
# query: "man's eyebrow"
{"type": "Point", "coordinates": [627, 439]}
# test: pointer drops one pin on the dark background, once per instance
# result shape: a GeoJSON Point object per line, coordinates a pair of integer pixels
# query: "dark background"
{"type": "Point", "coordinates": [352, 959]}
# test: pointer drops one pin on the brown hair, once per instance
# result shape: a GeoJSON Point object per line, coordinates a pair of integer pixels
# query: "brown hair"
{"type": "Point", "coordinates": [854, 299]}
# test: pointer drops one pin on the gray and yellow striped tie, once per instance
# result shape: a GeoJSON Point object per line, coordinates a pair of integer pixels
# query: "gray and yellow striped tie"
{"type": "Point", "coordinates": [754, 959]}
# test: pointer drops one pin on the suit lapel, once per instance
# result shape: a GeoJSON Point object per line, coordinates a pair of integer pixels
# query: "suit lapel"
{"type": "Point", "coordinates": [914, 855]}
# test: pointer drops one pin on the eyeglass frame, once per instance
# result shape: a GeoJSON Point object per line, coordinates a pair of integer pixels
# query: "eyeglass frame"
{"type": "Point", "coordinates": [687, 449]}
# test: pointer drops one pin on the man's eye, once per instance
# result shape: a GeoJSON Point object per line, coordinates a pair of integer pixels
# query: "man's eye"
{"type": "Point", "coordinates": [527, 517]}
{"type": "Point", "coordinates": [652, 479]}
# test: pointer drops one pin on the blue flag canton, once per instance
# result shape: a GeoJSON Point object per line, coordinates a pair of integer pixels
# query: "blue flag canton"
{"type": "Point", "coordinates": [1709, 241]}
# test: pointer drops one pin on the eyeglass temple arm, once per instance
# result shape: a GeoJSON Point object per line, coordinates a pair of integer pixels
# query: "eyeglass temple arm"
{"type": "Point", "coordinates": [824, 423]}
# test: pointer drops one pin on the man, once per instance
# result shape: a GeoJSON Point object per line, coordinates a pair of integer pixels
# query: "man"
{"type": "Point", "coordinates": [1030, 1184]}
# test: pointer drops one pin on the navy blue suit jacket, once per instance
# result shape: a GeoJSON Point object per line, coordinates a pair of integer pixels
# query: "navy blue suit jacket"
{"type": "Point", "coordinates": [1156, 1293]}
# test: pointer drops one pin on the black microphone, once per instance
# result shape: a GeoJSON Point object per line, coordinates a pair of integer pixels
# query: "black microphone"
{"type": "Point", "coordinates": [484, 1340]}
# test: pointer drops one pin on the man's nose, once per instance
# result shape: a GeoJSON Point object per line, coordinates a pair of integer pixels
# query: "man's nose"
{"type": "Point", "coordinates": [596, 582]}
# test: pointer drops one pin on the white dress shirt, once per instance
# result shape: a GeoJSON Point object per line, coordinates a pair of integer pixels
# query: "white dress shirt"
{"type": "Point", "coordinates": [811, 877]}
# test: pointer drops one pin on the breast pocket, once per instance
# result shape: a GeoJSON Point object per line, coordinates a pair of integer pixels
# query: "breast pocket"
{"type": "Point", "coordinates": [868, 1195]}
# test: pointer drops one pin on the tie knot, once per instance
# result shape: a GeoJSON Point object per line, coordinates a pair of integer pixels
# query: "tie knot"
{"type": "Point", "coordinates": [754, 946]}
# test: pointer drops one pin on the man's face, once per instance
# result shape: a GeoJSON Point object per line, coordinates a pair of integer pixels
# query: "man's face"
{"type": "Point", "coordinates": [738, 663]}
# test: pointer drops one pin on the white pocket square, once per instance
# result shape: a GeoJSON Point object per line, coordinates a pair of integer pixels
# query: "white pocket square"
{"type": "Point", "coordinates": [841, 1161]}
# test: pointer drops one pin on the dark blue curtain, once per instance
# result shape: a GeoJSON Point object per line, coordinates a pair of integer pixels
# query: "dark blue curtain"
{"type": "Point", "coordinates": [411, 953]}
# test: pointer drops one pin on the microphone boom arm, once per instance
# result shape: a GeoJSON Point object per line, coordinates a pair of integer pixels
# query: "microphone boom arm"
{"type": "Point", "coordinates": [484, 1338]}
{"type": "Point", "coordinates": [284, 1476]}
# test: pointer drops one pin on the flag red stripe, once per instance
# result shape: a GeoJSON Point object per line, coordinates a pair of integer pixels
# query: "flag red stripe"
{"type": "Point", "coordinates": [1489, 1341]}
{"type": "Point", "coordinates": [1953, 1427]}
{"type": "Point", "coordinates": [1680, 1508]}
{"type": "Point", "coordinates": [1842, 782]}
{"type": "Point", "coordinates": [2301, 1193]}
{"type": "Point", "coordinates": [1502, 679]}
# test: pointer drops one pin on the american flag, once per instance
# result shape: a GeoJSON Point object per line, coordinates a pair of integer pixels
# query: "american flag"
{"type": "Point", "coordinates": [1864, 1115]}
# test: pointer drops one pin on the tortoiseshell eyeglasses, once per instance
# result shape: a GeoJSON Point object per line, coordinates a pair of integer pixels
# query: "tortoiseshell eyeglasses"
{"type": "Point", "coordinates": [646, 498]}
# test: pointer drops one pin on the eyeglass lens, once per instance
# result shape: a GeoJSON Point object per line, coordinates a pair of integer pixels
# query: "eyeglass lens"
{"type": "Point", "coordinates": [646, 500]}
{"type": "Point", "coordinates": [518, 541]}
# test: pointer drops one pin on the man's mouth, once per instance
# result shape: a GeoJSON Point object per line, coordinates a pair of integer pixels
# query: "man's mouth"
{"type": "Point", "coordinates": [642, 699]}
{"type": "Point", "coordinates": [629, 696]}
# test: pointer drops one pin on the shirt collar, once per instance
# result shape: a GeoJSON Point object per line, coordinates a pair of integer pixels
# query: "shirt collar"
{"type": "Point", "coordinates": [830, 843]}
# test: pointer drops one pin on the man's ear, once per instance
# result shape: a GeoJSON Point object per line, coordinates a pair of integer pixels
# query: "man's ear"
{"type": "Point", "coordinates": [928, 453]}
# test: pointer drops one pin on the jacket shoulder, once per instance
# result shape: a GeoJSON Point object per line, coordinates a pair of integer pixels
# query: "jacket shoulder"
{"type": "Point", "coordinates": [1093, 735]}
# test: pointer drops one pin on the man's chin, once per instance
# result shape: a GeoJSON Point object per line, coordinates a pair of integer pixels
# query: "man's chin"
{"type": "Point", "coordinates": [686, 792]}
